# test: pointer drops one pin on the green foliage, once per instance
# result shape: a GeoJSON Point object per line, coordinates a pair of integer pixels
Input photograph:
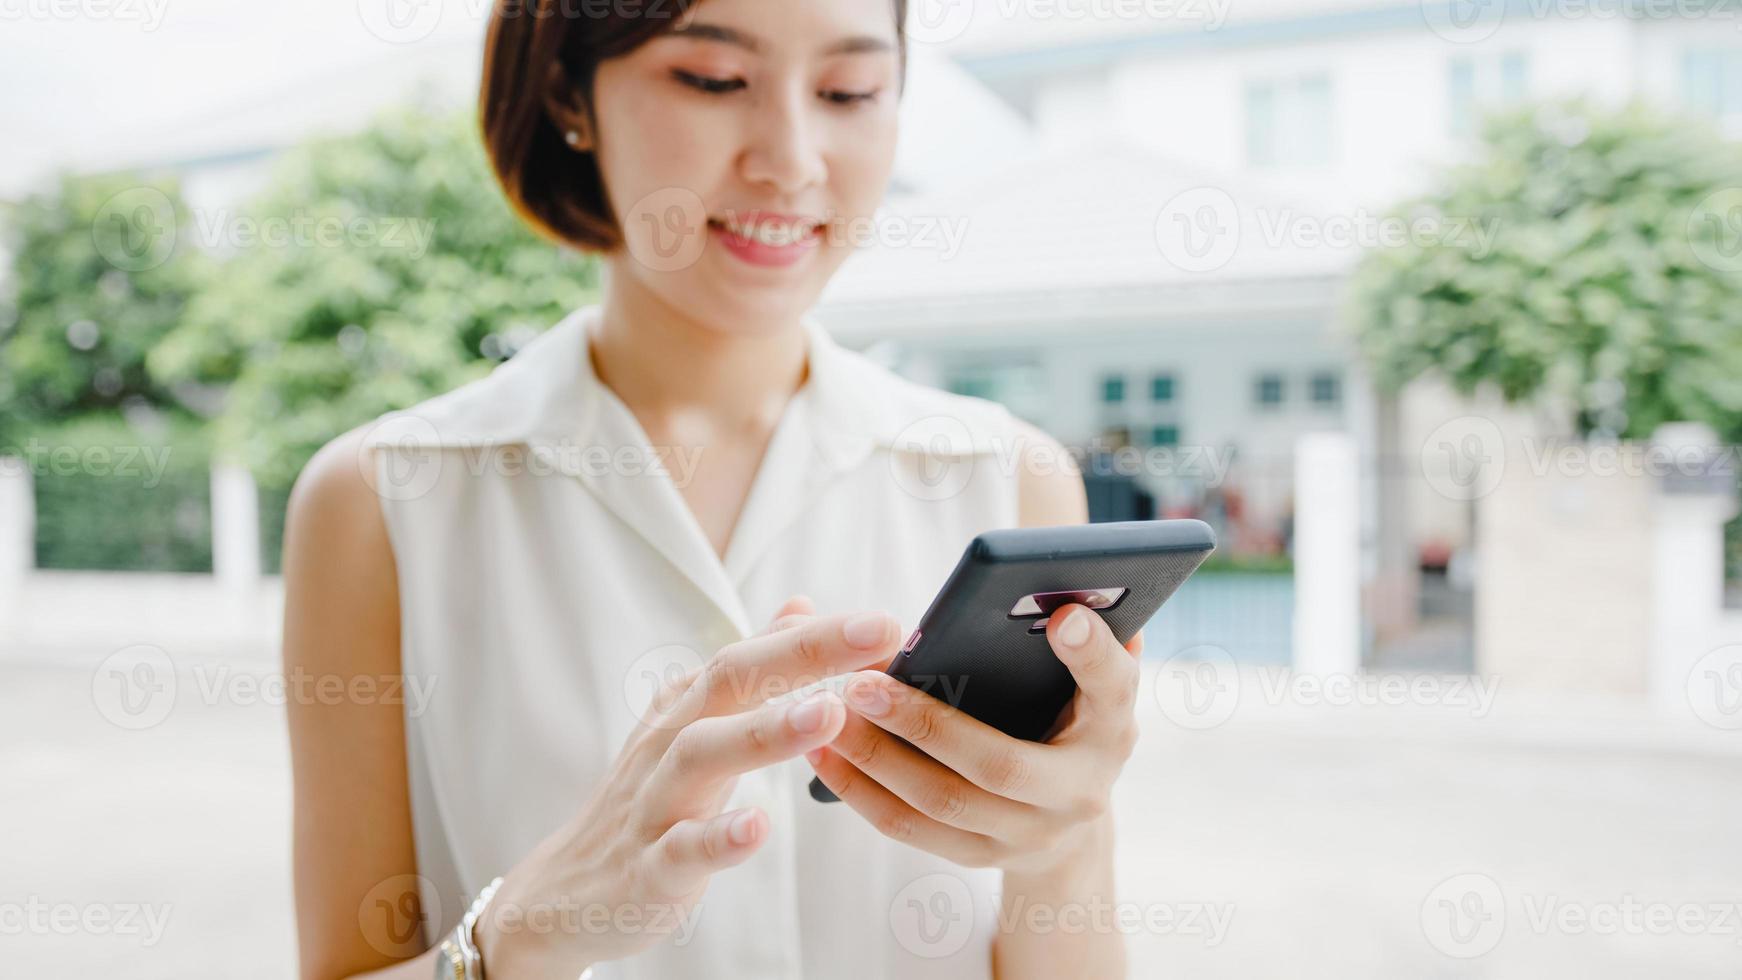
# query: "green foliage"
{"type": "Point", "coordinates": [115, 497]}
{"type": "Point", "coordinates": [405, 275]}
{"type": "Point", "coordinates": [1613, 284]}
{"type": "Point", "coordinates": [100, 276]}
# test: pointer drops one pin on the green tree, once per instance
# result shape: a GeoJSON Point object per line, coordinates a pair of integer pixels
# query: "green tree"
{"type": "Point", "coordinates": [1613, 282]}
{"type": "Point", "coordinates": [100, 275]}
{"type": "Point", "coordinates": [376, 270]}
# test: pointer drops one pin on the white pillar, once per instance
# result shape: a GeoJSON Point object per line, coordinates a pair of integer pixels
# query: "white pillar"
{"type": "Point", "coordinates": [17, 538]}
{"type": "Point", "coordinates": [236, 538]}
{"type": "Point", "coordinates": [1327, 554]}
{"type": "Point", "coordinates": [1687, 575]}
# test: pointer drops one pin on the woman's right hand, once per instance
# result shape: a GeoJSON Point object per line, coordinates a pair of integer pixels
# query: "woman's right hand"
{"type": "Point", "coordinates": [643, 848]}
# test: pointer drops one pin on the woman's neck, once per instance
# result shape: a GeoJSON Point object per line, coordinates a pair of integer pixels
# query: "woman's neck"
{"type": "Point", "coordinates": [679, 375]}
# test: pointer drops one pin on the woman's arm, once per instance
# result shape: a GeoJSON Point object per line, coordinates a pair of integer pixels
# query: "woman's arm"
{"type": "Point", "coordinates": [352, 809]}
{"type": "Point", "coordinates": [647, 840]}
{"type": "Point", "coordinates": [1052, 492]}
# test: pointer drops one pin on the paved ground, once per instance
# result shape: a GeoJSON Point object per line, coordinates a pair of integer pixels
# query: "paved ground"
{"type": "Point", "coordinates": [1417, 841]}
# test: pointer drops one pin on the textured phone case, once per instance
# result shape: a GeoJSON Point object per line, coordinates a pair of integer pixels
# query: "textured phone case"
{"type": "Point", "coordinates": [973, 654]}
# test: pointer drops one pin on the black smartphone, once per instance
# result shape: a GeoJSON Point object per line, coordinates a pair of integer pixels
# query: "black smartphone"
{"type": "Point", "coordinates": [981, 646]}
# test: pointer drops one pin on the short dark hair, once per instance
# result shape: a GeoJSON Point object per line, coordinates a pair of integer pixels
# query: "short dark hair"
{"type": "Point", "coordinates": [554, 188]}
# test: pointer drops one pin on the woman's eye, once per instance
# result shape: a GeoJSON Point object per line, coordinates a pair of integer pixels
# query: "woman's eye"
{"type": "Point", "coordinates": [707, 84]}
{"type": "Point", "coordinates": [849, 98]}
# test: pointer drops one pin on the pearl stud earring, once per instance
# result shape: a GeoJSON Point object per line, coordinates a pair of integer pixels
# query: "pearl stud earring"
{"type": "Point", "coordinates": [572, 137]}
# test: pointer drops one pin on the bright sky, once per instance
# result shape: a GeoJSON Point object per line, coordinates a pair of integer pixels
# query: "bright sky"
{"type": "Point", "coordinates": [98, 80]}
{"type": "Point", "coordinates": [113, 82]}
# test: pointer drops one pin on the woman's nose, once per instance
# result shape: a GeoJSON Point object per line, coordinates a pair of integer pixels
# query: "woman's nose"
{"type": "Point", "coordinates": [783, 152]}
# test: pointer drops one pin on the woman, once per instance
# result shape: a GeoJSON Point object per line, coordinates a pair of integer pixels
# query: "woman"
{"type": "Point", "coordinates": [570, 557]}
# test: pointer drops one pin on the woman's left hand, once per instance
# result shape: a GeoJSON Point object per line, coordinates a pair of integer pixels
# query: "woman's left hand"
{"type": "Point", "coordinates": [966, 791]}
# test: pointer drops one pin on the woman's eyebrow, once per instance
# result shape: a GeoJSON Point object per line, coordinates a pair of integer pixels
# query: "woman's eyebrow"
{"type": "Point", "coordinates": [856, 44]}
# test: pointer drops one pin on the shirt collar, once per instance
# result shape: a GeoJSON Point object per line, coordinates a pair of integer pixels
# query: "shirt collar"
{"type": "Point", "coordinates": [548, 393]}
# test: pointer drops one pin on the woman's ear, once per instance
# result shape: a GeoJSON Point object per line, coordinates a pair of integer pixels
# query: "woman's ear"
{"type": "Point", "coordinates": [567, 110]}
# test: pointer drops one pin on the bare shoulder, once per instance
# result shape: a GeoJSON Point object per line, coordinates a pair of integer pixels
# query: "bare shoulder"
{"type": "Point", "coordinates": [338, 561]}
{"type": "Point", "coordinates": [1050, 481]}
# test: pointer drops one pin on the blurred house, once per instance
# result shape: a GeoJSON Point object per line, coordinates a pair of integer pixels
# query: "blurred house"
{"type": "Point", "coordinates": [1278, 133]}
{"type": "Point", "coordinates": [1055, 298]}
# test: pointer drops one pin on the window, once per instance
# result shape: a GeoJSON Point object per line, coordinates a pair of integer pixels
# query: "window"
{"type": "Point", "coordinates": [1288, 122]}
{"type": "Point", "coordinates": [1712, 81]}
{"type": "Point", "coordinates": [1268, 390]}
{"type": "Point", "coordinates": [976, 386]}
{"type": "Point", "coordinates": [1161, 388]}
{"type": "Point", "coordinates": [1514, 76]}
{"type": "Point", "coordinates": [1113, 390]}
{"type": "Point", "coordinates": [1327, 389]}
{"type": "Point", "coordinates": [1475, 83]}
{"type": "Point", "coordinates": [1164, 435]}
{"type": "Point", "coordinates": [1013, 381]}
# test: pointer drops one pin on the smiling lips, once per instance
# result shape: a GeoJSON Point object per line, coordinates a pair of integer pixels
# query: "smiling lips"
{"type": "Point", "coordinates": [769, 240]}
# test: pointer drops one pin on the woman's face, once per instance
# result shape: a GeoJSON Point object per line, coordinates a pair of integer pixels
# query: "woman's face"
{"type": "Point", "coordinates": [749, 113]}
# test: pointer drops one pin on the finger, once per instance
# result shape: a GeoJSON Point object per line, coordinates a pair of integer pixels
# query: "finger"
{"type": "Point", "coordinates": [929, 786]}
{"type": "Point", "coordinates": [1106, 673]}
{"type": "Point", "coordinates": [1000, 764]}
{"type": "Point", "coordinates": [793, 611]}
{"type": "Point", "coordinates": [1134, 646]}
{"type": "Point", "coordinates": [691, 850]}
{"type": "Point", "coordinates": [710, 751]}
{"type": "Point", "coordinates": [894, 818]}
{"type": "Point", "coordinates": [745, 674]}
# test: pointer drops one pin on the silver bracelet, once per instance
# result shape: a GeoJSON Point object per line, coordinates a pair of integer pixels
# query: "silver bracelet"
{"type": "Point", "coordinates": [458, 958]}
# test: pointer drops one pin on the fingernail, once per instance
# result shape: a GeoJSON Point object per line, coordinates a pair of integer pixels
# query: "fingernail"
{"type": "Point", "coordinates": [1075, 631]}
{"type": "Point", "coordinates": [807, 716]}
{"type": "Point", "coordinates": [742, 828]}
{"type": "Point", "coordinates": [870, 698]}
{"type": "Point", "coordinates": [866, 629]}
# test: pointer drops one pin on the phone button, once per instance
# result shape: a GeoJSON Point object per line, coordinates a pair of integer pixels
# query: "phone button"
{"type": "Point", "coordinates": [912, 641]}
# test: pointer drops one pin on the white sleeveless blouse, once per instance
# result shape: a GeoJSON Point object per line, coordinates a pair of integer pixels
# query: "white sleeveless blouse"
{"type": "Point", "coordinates": [550, 572]}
